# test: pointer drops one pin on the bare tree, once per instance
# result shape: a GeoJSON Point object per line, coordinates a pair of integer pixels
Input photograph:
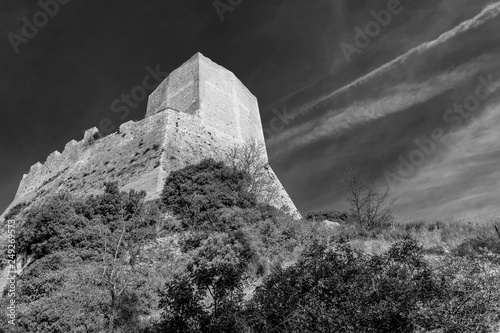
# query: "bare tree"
{"type": "Point", "coordinates": [251, 157]}
{"type": "Point", "coordinates": [369, 205]}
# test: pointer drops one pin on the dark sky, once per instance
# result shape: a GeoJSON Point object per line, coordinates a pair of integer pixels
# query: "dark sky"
{"type": "Point", "coordinates": [365, 112]}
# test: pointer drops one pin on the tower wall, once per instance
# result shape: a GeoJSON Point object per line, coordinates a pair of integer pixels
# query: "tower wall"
{"type": "Point", "coordinates": [202, 88]}
{"type": "Point", "coordinates": [179, 91]}
{"type": "Point", "coordinates": [226, 104]}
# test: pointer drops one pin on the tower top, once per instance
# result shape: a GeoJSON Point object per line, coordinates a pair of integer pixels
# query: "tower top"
{"type": "Point", "coordinates": [215, 95]}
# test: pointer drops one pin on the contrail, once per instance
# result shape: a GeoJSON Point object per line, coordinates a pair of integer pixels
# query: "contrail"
{"type": "Point", "coordinates": [488, 13]}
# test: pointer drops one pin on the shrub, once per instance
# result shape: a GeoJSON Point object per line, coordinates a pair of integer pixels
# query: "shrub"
{"type": "Point", "coordinates": [477, 247]}
{"type": "Point", "coordinates": [468, 300]}
{"type": "Point", "coordinates": [197, 192]}
{"type": "Point", "coordinates": [331, 215]}
{"type": "Point", "coordinates": [208, 296]}
{"type": "Point", "coordinates": [85, 276]}
{"type": "Point", "coordinates": [14, 211]}
{"type": "Point", "coordinates": [339, 289]}
{"type": "Point", "coordinates": [52, 227]}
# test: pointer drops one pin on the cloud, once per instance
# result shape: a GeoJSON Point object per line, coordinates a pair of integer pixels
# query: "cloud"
{"type": "Point", "coordinates": [393, 99]}
{"type": "Point", "coordinates": [463, 181]}
{"type": "Point", "coordinates": [371, 121]}
{"type": "Point", "coordinates": [310, 131]}
{"type": "Point", "coordinates": [490, 12]}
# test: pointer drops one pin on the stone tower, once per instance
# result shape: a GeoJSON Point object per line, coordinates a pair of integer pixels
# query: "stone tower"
{"type": "Point", "coordinates": [200, 110]}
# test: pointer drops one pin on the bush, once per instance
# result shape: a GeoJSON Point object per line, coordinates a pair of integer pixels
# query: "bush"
{"type": "Point", "coordinates": [208, 296]}
{"type": "Point", "coordinates": [477, 247]}
{"type": "Point", "coordinates": [330, 215]}
{"type": "Point", "coordinates": [14, 211]}
{"type": "Point", "coordinates": [52, 226]}
{"type": "Point", "coordinates": [468, 300]}
{"type": "Point", "coordinates": [339, 289]}
{"type": "Point", "coordinates": [85, 276]}
{"type": "Point", "coordinates": [197, 192]}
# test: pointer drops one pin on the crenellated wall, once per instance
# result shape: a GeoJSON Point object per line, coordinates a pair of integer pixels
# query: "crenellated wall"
{"type": "Point", "coordinates": [55, 164]}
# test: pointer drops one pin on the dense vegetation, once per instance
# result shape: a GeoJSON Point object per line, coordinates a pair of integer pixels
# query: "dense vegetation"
{"type": "Point", "coordinates": [208, 257]}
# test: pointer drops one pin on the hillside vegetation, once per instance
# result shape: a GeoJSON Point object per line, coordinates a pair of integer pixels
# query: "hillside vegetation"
{"type": "Point", "coordinates": [209, 257]}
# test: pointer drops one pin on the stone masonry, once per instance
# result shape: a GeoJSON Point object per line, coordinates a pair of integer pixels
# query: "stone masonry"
{"type": "Point", "coordinates": [199, 111]}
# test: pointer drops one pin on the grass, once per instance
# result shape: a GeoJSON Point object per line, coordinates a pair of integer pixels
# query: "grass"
{"type": "Point", "coordinates": [457, 236]}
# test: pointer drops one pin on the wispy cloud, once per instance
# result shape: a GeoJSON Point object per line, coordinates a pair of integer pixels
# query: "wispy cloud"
{"type": "Point", "coordinates": [464, 180]}
{"type": "Point", "coordinates": [371, 121]}
{"type": "Point", "coordinates": [393, 99]}
{"type": "Point", "coordinates": [488, 13]}
{"type": "Point", "coordinates": [402, 95]}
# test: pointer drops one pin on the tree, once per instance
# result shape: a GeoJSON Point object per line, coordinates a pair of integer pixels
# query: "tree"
{"type": "Point", "coordinates": [368, 205]}
{"type": "Point", "coordinates": [198, 192]}
{"type": "Point", "coordinates": [251, 158]}
{"type": "Point", "coordinates": [337, 289]}
{"type": "Point", "coordinates": [87, 276]}
{"type": "Point", "coordinates": [208, 296]}
{"type": "Point", "coordinates": [125, 225]}
{"type": "Point", "coordinates": [52, 226]}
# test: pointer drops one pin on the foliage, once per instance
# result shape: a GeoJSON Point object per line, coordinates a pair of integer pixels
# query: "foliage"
{"type": "Point", "coordinates": [469, 299]}
{"type": "Point", "coordinates": [197, 192]}
{"type": "Point", "coordinates": [208, 296]}
{"type": "Point", "coordinates": [16, 210]}
{"type": "Point", "coordinates": [85, 276]}
{"type": "Point", "coordinates": [339, 289]}
{"type": "Point", "coordinates": [54, 226]}
{"type": "Point", "coordinates": [477, 246]}
{"type": "Point", "coordinates": [236, 265]}
{"type": "Point", "coordinates": [330, 215]}
{"type": "Point", "coordinates": [251, 158]}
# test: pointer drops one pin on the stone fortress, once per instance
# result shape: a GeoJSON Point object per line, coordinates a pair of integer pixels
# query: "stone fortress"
{"type": "Point", "coordinates": [200, 110]}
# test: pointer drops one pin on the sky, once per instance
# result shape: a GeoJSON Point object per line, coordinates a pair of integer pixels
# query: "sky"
{"type": "Point", "coordinates": [409, 103]}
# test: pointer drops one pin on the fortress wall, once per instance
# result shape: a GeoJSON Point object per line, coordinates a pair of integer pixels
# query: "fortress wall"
{"type": "Point", "coordinates": [187, 141]}
{"type": "Point", "coordinates": [282, 199]}
{"type": "Point", "coordinates": [139, 156]}
{"type": "Point", "coordinates": [30, 180]}
{"type": "Point", "coordinates": [199, 111]}
{"type": "Point", "coordinates": [251, 124]}
{"type": "Point", "coordinates": [131, 155]}
{"type": "Point", "coordinates": [179, 91]}
{"type": "Point", "coordinates": [55, 164]}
